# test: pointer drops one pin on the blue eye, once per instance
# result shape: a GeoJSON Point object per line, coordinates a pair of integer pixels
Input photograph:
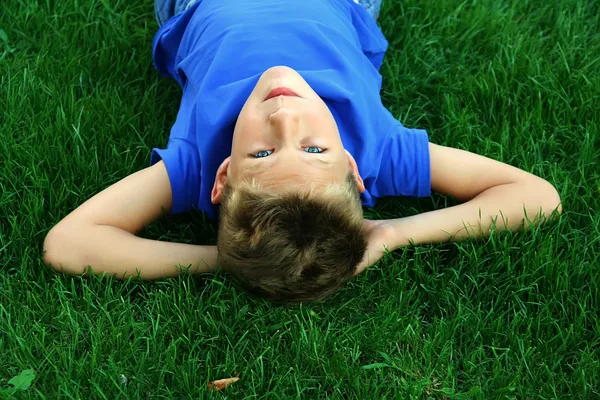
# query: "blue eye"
{"type": "Point", "coordinates": [313, 149]}
{"type": "Point", "coordinates": [263, 153]}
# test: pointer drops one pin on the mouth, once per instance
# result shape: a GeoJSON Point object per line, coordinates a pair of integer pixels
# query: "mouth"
{"type": "Point", "coordinates": [280, 91]}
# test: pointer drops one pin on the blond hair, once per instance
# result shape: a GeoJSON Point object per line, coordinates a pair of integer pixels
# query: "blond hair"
{"type": "Point", "coordinates": [299, 245]}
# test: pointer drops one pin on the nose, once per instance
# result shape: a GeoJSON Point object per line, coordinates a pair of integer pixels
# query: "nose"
{"type": "Point", "coordinates": [285, 123]}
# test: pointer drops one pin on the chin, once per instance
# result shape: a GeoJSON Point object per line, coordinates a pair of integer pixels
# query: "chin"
{"type": "Point", "coordinates": [280, 70]}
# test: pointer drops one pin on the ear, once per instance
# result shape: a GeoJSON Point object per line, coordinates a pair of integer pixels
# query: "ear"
{"type": "Point", "coordinates": [220, 179]}
{"type": "Point", "coordinates": [354, 168]}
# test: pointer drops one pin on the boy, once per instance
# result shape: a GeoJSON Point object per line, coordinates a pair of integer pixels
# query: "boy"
{"type": "Point", "coordinates": [281, 124]}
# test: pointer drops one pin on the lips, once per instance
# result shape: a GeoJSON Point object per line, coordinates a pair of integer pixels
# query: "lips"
{"type": "Point", "coordinates": [280, 91]}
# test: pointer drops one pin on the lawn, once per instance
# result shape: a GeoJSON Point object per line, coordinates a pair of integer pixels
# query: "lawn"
{"type": "Point", "coordinates": [512, 316]}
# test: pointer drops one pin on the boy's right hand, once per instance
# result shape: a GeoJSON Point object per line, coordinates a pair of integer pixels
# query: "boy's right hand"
{"type": "Point", "coordinates": [379, 234]}
{"type": "Point", "coordinates": [495, 195]}
{"type": "Point", "coordinates": [101, 233]}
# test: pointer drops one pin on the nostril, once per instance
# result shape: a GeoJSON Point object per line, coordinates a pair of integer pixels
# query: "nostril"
{"type": "Point", "coordinates": [284, 117]}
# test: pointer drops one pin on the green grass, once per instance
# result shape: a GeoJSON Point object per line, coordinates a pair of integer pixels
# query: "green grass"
{"type": "Point", "coordinates": [514, 316]}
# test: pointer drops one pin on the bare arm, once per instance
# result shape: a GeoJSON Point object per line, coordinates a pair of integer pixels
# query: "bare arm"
{"type": "Point", "coordinates": [101, 233]}
{"type": "Point", "coordinates": [495, 194]}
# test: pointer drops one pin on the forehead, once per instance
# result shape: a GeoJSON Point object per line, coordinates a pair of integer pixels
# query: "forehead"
{"type": "Point", "coordinates": [290, 177]}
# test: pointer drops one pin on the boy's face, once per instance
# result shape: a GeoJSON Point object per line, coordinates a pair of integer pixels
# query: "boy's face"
{"type": "Point", "coordinates": [285, 136]}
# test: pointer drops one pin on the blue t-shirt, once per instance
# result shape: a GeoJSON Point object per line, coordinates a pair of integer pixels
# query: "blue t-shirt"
{"type": "Point", "coordinates": [217, 51]}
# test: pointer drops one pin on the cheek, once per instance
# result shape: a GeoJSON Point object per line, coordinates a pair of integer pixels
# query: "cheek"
{"type": "Point", "coordinates": [246, 119]}
{"type": "Point", "coordinates": [246, 125]}
{"type": "Point", "coordinates": [321, 118]}
{"type": "Point", "coordinates": [247, 129]}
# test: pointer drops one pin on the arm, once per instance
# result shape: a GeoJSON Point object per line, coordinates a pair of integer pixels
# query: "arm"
{"type": "Point", "coordinates": [101, 233]}
{"type": "Point", "coordinates": [495, 195]}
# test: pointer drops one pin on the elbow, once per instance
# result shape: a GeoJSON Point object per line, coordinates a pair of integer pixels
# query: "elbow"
{"type": "Point", "coordinates": [52, 244]}
{"type": "Point", "coordinates": [551, 201]}
{"type": "Point", "coordinates": [58, 250]}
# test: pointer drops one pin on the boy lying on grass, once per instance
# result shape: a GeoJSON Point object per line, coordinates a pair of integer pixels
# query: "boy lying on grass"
{"type": "Point", "coordinates": [282, 125]}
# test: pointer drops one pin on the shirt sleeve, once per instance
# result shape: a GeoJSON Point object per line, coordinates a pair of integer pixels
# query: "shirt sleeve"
{"type": "Point", "coordinates": [166, 46]}
{"type": "Point", "coordinates": [372, 40]}
{"type": "Point", "coordinates": [182, 161]}
{"type": "Point", "coordinates": [405, 167]}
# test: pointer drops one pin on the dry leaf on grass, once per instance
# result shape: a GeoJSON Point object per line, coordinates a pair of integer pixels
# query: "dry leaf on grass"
{"type": "Point", "coordinates": [221, 383]}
